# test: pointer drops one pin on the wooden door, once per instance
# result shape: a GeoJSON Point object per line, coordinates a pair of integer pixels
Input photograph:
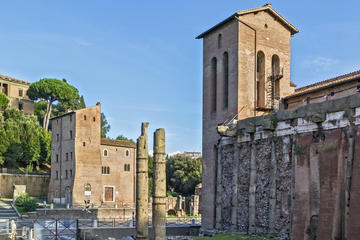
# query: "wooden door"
{"type": "Point", "coordinates": [109, 191]}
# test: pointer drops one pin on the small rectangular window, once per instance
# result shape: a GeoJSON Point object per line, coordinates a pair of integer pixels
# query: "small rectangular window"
{"type": "Point", "coordinates": [57, 157]}
{"type": "Point", "coordinates": [67, 156]}
{"type": "Point", "coordinates": [127, 167]}
{"type": "Point", "coordinates": [71, 155]}
{"type": "Point", "coordinates": [21, 106]}
{"type": "Point", "coordinates": [57, 137]}
{"type": "Point", "coordinates": [83, 144]}
{"type": "Point", "coordinates": [71, 134]}
{"type": "Point", "coordinates": [57, 175]}
{"type": "Point", "coordinates": [84, 117]}
{"type": "Point", "coordinates": [20, 92]}
{"type": "Point", "coordinates": [105, 170]}
{"type": "Point", "coordinates": [70, 173]}
{"type": "Point", "coordinates": [66, 174]}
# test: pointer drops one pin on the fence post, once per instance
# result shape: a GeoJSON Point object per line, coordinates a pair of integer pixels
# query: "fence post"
{"type": "Point", "coordinates": [56, 222]}
{"type": "Point", "coordinates": [77, 229]}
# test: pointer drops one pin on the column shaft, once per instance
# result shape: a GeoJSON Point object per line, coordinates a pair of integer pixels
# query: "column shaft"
{"type": "Point", "coordinates": [142, 192]}
{"type": "Point", "coordinates": [159, 186]}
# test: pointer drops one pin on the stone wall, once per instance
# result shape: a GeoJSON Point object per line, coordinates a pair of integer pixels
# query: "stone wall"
{"type": "Point", "coordinates": [292, 174]}
{"type": "Point", "coordinates": [36, 185]}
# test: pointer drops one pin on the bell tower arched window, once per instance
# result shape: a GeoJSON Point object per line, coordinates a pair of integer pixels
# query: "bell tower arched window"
{"type": "Point", "coordinates": [225, 80]}
{"type": "Point", "coordinates": [276, 76]}
{"type": "Point", "coordinates": [219, 41]}
{"type": "Point", "coordinates": [213, 90]}
{"type": "Point", "coordinates": [260, 80]}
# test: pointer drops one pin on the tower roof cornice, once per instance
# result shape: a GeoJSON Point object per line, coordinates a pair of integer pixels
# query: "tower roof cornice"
{"type": "Point", "coordinates": [266, 8]}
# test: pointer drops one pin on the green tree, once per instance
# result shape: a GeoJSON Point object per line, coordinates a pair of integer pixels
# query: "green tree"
{"type": "Point", "coordinates": [182, 174]}
{"type": "Point", "coordinates": [82, 102]}
{"type": "Point", "coordinates": [58, 109]}
{"type": "Point", "coordinates": [122, 137]}
{"type": "Point", "coordinates": [63, 107]}
{"type": "Point", "coordinates": [105, 126]}
{"type": "Point", "coordinates": [39, 111]}
{"type": "Point", "coordinates": [22, 140]}
{"type": "Point", "coordinates": [150, 173]}
{"type": "Point", "coordinates": [52, 90]}
{"type": "Point", "coordinates": [4, 101]}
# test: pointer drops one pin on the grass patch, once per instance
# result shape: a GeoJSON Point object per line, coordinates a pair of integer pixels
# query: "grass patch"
{"type": "Point", "coordinates": [6, 199]}
{"type": "Point", "coordinates": [232, 237]}
{"type": "Point", "coordinates": [21, 210]}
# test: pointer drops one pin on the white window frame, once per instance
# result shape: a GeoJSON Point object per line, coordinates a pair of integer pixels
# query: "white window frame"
{"type": "Point", "coordinates": [113, 187]}
{"type": "Point", "coordinates": [107, 152]}
{"type": "Point", "coordinates": [127, 150]}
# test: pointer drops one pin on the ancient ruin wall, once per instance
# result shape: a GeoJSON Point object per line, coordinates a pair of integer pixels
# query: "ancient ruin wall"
{"type": "Point", "coordinates": [292, 174]}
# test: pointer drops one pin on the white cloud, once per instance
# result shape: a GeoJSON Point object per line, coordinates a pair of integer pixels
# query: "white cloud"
{"type": "Point", "coordinates": [85, 43]}
{"type": "Point", "coordinates": [320, 63]}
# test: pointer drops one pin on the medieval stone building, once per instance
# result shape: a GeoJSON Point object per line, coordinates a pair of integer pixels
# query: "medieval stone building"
{"type": "Point", "coordinates": [85, 167]}
{"type": "Point", "coordinates": [246, 70]}
{"type": "Point", "coordinates": [267, 171]}
{"type": "Point", "coordinates": [15, 90]}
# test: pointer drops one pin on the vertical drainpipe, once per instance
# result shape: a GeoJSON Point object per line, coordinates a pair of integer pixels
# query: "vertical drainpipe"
{"type": "Point", "coordinates": [255, 61]}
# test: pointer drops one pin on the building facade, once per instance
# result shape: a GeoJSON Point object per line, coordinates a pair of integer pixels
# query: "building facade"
{"type": "Point", "coordinates": [334, 88]}
{"type": "Point", "coordinates": [246, 71]}
{"type": "Point", "coordinates": [246, 74]}
{"type": "Point", "coordinates": [85, 167]}
{"type": "Point", "coordinates": [15, 90]}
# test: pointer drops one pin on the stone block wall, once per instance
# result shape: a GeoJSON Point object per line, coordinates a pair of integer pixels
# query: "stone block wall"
{"type": "Point", "coordinates": [36, 185]}
{"type": "Point", "coordinates": [292, 174]}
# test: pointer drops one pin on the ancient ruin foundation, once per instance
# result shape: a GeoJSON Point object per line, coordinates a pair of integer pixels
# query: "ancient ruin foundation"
{"type": "Point", "coordinates": [159, 187]}
{"type": "Point", "coordinates": [292, 174]}
{"type": "Point", "coordinates": [142, 185]}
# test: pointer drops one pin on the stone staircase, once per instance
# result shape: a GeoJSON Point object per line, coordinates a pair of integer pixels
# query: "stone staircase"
{"type": "Point", "coordinates": [6, 210]}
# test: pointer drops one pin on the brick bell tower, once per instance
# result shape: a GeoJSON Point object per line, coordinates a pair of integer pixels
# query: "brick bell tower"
{"type": "Point", "coordinates": [246, 71]}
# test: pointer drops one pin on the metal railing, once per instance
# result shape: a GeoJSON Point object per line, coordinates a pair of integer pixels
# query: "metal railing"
{"type": "Point", "coordinates": [130, 222]}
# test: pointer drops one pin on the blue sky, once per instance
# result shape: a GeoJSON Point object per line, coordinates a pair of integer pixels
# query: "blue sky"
{"type": "Point", "coordinates": [140, 59]}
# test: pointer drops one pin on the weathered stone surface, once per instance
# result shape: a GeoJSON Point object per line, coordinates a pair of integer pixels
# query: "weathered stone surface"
{"type": "Point", "coordinates": [227, 173]}
{"type": "Point", "coordinates": [159, 185]}
{"type": "Point", "coordinates": [142, 194]}
{"type": "Point", "coordinates": [243, 187]}
{"type": "Point", "coordinates": [298, 181]}
{"type": "Point", "coordinates": [283, 187]}
{"type": "Point", "coordinates": [263, 160]}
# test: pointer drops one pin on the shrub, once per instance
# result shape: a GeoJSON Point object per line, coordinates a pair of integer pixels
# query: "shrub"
{"type": "Point", "coordinates": [26, 203]}
{"type": "Point", "coordinates": [171, 194]}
